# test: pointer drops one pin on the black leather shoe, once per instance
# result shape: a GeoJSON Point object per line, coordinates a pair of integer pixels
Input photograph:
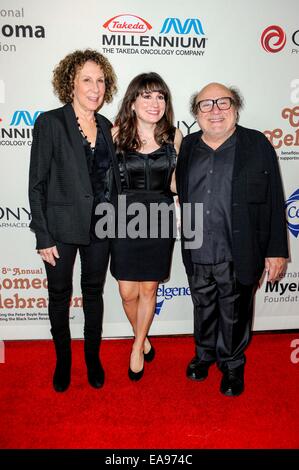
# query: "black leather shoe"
{"type": "Point", "coordinates": [232, 383]}
{"type": "Point", "coordinates": [62, 376]}
{"type": "Point", "coordinates": [135, 375]}
{"type": "Point", "coordinates": [149, 356]}
{"type": "Point", "coordinates": [197, 370]}
{"type": "Point", "coordinates": [95, 371]}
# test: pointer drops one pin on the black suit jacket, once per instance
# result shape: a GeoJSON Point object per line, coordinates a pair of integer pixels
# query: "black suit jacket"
{"type": "Point", "coordinates": [257, 205]}
{"type": "Point", "coordinates": [60, 191]}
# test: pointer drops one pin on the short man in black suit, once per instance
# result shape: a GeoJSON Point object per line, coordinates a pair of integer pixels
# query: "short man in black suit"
{"type": "Point", "coordinates": [234, 172]}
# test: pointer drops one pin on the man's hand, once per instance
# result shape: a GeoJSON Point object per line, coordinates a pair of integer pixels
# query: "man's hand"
{"type": "Point", "coordinates": [274, 268]}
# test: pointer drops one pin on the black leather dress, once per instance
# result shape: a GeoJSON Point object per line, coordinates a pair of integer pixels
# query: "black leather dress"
{"type": "Point", "coordinates": [145, 179]}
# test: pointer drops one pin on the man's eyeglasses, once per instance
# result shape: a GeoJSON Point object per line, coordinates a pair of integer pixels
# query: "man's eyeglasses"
{"type": "Point", "coordinates": [223, 104]}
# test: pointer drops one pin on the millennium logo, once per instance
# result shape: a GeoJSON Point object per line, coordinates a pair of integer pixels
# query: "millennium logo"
{"type": "Point", "coordinates": [292, 208]}
{"type": "Point", "coordinates": [20, 130]}
{"type": "Point", "coordinates": [25, 116]}
{"type": "Point", "coordinates": [190, 24]}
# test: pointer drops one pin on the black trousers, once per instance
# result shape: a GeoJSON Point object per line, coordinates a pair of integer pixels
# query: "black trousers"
{"type": "Point", "coordinates": [223, 311]}
{"type": "Point", "coordinates": [94, 263]}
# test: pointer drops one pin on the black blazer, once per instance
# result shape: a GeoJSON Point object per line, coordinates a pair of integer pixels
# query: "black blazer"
{"type": "Point", "coordinates": [258, 215]}
{"type": "Point", "coordinates": [60, 191]}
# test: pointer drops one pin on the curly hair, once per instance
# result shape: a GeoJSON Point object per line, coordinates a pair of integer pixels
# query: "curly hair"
{"type": "Point", "coordinates": [127, 137]}
{"type": "Point", "coordinates": [65, 72]}
{"type": "Point", "coordinates": [238, 101]}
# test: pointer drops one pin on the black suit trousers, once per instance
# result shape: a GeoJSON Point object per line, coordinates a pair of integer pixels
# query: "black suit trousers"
{"type": "Point", "coordinates": [94, 264]}
{"type": "Point", "coordinates": [223, 311]}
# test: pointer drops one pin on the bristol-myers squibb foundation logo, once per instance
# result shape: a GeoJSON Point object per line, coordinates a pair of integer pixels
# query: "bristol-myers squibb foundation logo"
{"type": "Point", "coordinates": [127, 24]}
{"type": "Point", "coordinates": [292, 208]}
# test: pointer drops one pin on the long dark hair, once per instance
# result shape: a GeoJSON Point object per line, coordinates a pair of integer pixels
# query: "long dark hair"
{"type": "Point", "coordinates": [126, 120]}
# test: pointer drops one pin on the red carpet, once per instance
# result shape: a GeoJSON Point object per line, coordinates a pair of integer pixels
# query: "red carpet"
{"type": "Point", "coordinates": [163, 410]}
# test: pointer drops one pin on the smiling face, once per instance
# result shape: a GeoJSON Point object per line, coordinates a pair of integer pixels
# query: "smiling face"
{"type": "Point", "coordinates": [217, 125]}
{"type": "Point", "coordinates": [89, 87]}
{"type": "Point", "coordinates": [149, 107]}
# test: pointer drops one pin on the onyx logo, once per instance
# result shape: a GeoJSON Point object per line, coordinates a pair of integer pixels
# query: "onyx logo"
{"type": "Point", "coordinates": [23, 31]}
{"type": "Point", "coordinates": [187, 127]}
{"type": "Point", "coordinates": [17, 217]}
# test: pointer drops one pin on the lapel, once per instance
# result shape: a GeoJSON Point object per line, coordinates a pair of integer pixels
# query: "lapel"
{"type": "Point", "coordinates": [105, 128]}
{"type": "Point", "coordinates": [242, 151]}
{"type": "Point", "coordinates": [78, 149]}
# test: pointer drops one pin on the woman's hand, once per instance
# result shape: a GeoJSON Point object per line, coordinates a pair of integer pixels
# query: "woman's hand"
{"type": "Point", "coordinates": [49, 255]}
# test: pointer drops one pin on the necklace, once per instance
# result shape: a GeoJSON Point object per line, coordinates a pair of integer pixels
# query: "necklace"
{"type": "Point", "coordinates": [83, 133]}
{"type": "Point", "coordinates": [147, 140]}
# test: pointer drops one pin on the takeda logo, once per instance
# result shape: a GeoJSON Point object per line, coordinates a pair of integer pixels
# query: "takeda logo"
{"type": "Point", "coordinates": [273, 39]}
{"type": "Point", "coordinates": [127, 24]}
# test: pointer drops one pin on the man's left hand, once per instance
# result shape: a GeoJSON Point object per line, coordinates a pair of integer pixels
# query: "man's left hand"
{"type": "Point", "coordinates": [274, 268]}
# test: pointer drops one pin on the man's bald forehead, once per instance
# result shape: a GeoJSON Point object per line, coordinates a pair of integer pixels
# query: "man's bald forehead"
{"type": "Point", "coordinates": [213, 88]}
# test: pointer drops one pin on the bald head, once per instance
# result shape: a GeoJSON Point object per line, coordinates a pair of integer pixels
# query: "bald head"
{"type": "Point", "coordinates": [213, 88]}
{"type": "Point", "coordinates": [216, 110]}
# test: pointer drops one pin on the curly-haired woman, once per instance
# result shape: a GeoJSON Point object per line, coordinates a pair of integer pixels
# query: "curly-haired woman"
{"type": "Point", "coordinates": [71, 154]}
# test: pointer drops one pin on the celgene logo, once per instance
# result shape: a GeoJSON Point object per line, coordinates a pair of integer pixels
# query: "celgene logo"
{"type": "Point", "coordinates": [292, 207]}
{"type": "Point", "coordinates": [190, 24]}
{"type": "Point", "coordinates": [127, 24]}
{"type": "Point", "coordinates": [167, 293]}
{"type": "Point", "coordinates": [273, 39]}
{"type": "Point", "coordinates": [158, 307]}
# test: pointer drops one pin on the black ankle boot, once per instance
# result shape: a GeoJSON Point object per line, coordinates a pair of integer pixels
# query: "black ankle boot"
{"type": "Point", "coordinates": [95, 371]}
{"type": "Point", "coordinates": [62, 343]}
{"type": "Point", "coordinates": [62, 373]}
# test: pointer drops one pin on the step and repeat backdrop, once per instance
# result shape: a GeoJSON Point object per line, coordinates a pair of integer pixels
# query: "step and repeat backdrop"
{"type": "Point", "coordinates": [253, 46]}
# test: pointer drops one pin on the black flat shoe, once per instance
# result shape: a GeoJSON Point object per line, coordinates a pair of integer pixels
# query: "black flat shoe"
{"type": "Point", "coordinates": [135, 375]}
{"type": "Point", "coordinates": [149, 356]}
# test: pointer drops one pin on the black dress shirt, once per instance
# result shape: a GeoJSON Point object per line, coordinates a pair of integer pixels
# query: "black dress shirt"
{"type": "Point", "coordinates": [210, 183]}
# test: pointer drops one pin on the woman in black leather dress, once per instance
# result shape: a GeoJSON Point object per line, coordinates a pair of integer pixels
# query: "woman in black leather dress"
{"type": "Point", "coordinates": [147, 144]}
